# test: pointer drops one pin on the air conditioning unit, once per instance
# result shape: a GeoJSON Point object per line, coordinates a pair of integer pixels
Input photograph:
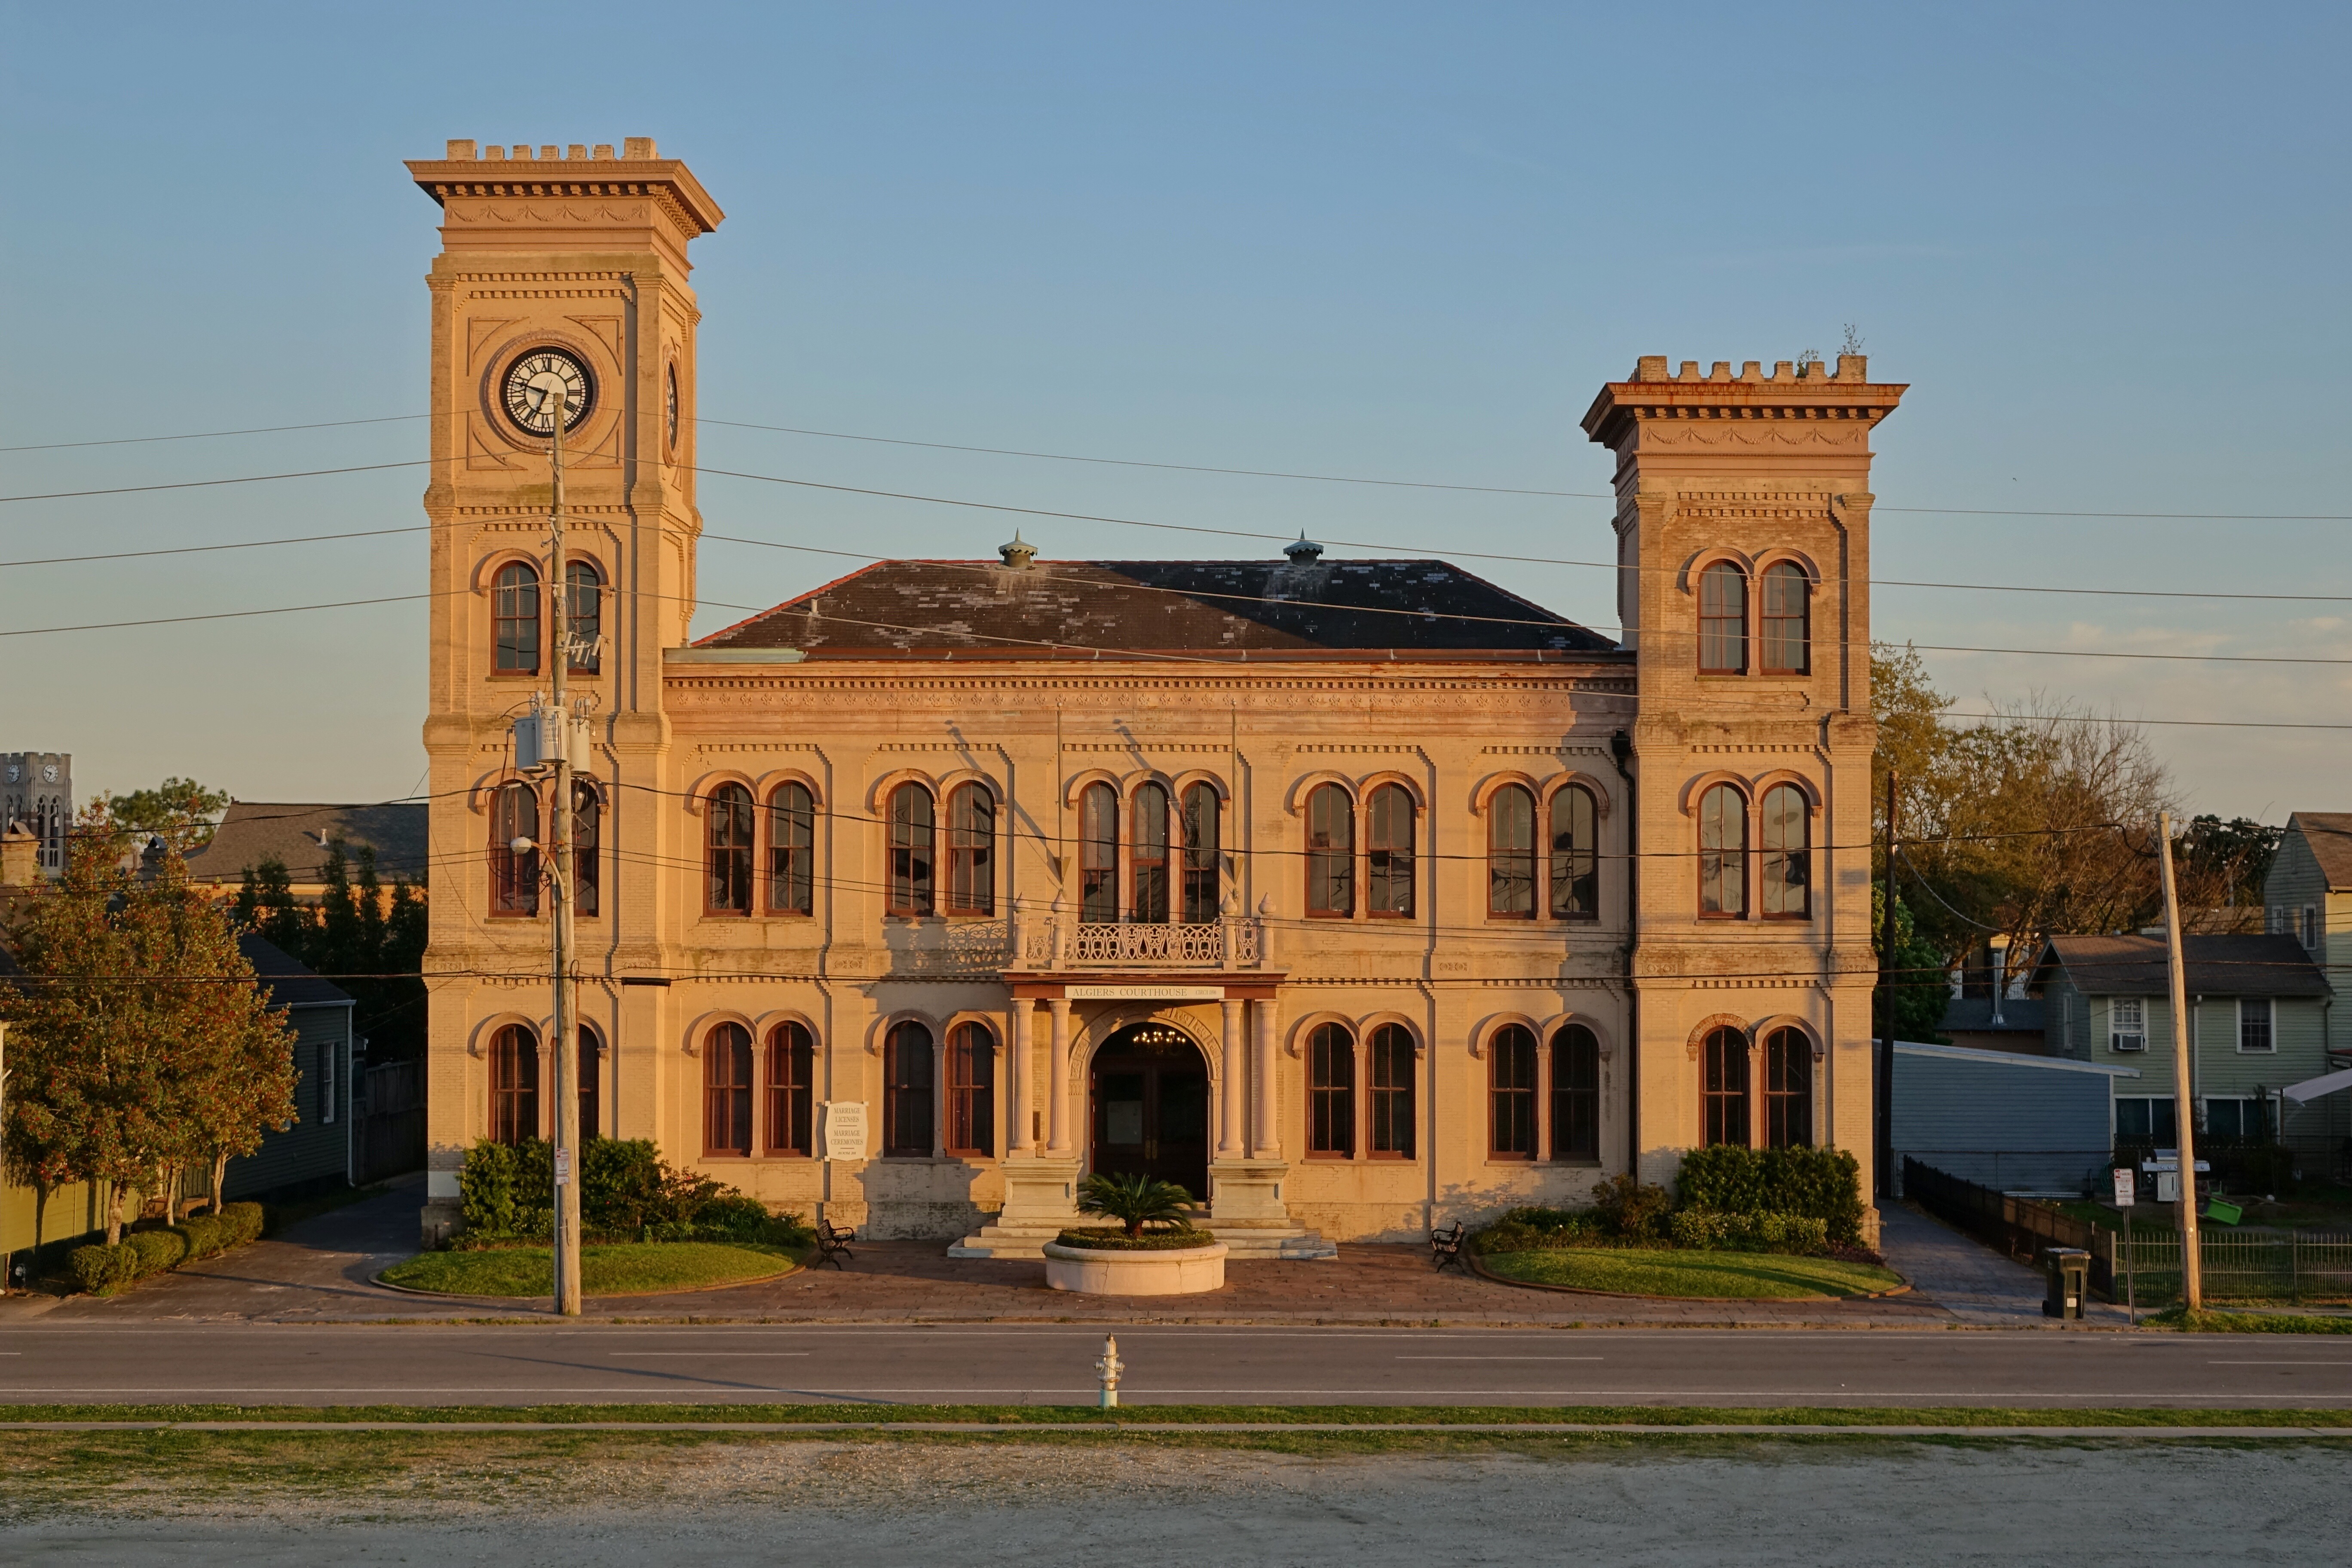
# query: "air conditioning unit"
{"type": "Point", "coordinates": [2127, 1042]}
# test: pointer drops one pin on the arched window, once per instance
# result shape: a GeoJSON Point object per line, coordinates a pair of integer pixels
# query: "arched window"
{"type": "Point", "coordinates": [972, 1090]}
{"type": "Point", "coordinates": [1723, 620]}
{"type": "Point", "coordinates": [971, 850]}
{"type": "Point", "coordinates": [913, 845]}
{"type": "Point", "coordinates": [1389, 852]}
{"type": "Point", "coordinates": [1575, 1095]}
{"type": "Point", "coordinates": [588, 845]}
{"type": "Point", "coordinates": [1787, 620]}
{"type": "Point", "coordinates": [1788, 1089]}
{"type": "Point", "coordinates": [584, 616]}
{"type": "Point", "coordinates": [1788, 855]}
{"type": "Point", "coordinates": [514, 1085]}
{"type": "Point", "coordinates": [1511, 1093]}
{"type": "Point", "coordinates": [1201, 854]}
{"type": "Point", "coordinates": [1511, 854]}
{"type": "Point", "coordinates": [1330, 852]}
{"type": "Point", "coordinates": [906, 1091]}
{"type": "Point", "coordinates": [1098, 854]}
{"type": "Point", "coordinates": [1330, 1092]}
{"type": "Point", "coordinates": [514, 619]}
{"type": "Point", "coordinates": [1575, 855]}
{"type": "Point", "coordinates": [1723, 853]}
{"type": "Point", "coordinates": [1393, 1114]}
{"type": "Point", "coordinates": [792, 850]}
{"type": "Point", "coordinates": [727, 1091]}
{"type": "Point", "coordinates": [592, 1085]}
{"type": "Point", "coordinates": [514, 878]}
{"type": "Point", "coordinates": [1723, 1088]}
{"type": "Point", "coordinates": [791, 1089]}
{"type": "Point", "coordinates": [1148, 828]}
{"type": "Point", "coordinates": [728, 842]}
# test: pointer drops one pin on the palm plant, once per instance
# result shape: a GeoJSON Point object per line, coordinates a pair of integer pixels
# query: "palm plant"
{"type": "Point", "coordinates": [1135, 1201]}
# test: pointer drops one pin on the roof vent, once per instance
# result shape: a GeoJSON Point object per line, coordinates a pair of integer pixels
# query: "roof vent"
{"type": "Point", "coordinates": [1017, 554]}
{"type": "Point", "coordinates": [1304, 552]}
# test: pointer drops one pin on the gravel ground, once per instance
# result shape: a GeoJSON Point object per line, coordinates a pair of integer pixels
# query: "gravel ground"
{"type": "Point", "coordinates": [881, 1504]}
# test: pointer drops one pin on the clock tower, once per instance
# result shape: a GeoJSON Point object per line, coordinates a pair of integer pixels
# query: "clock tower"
{"type": "Point", "coordinates": [562, 282]}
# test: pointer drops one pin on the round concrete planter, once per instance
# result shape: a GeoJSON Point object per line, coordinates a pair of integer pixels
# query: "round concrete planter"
{"type": "Point", "coordinates": [1177, 1272]}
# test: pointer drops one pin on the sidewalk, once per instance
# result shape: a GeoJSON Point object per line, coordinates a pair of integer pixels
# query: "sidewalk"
{"type": "Point", "coordinates": [1969, 1279]}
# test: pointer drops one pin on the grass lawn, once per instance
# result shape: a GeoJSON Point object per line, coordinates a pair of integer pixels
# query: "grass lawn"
{"type": "Point", "coordinates": [617, 1268]}
{"type": "Point", "coordinates": [1755, 1276]}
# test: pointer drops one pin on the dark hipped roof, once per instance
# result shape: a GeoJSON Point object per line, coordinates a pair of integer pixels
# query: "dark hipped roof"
{"type": "Point", "coordinates": [2218, 965]}
{"type": "Point", "coordinates": [291, 983]}
{"type": "Point", "coordinates": [2330, 834]}
{"type": "Point", "coordinates": [1161, 606]}
{"type": "Point", "coordinates": [298, 834]}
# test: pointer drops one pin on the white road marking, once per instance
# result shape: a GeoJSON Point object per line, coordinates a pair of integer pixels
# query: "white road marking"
{"type": "Point", "coordinates": [1498, 1358]}
{"type": "Point", "coordinates": [2279, 1364]}
{"type": "Point", "coordinates": [729, 1354]}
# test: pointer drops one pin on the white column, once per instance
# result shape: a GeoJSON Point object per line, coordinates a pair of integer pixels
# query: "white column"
{"type": "Point", "coordinates": [1264, 1143]}
{"type": "Point", "coordinates": [1229, 1100]}
{"type": "Point", "coordinates": [1016, 1076]}
{"type": "Point", "coordinates": [1057, 1092]}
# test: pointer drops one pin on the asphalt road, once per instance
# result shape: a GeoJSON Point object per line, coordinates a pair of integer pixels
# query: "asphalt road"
{"type": "Point", "coordinates": [1053, 1364]}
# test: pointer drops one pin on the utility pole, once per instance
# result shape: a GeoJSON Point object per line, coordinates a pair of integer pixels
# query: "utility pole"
{"type": "Point", "coordinates": [2192, 1267]}
{"type": "Point", "coordinates": [567, 1047]}
{"type": "Point", "coordinates": [1883, 1155]}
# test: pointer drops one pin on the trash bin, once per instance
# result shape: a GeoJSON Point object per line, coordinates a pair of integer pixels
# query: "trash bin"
{"type": "Point", "coordinates": [2069, 1279]}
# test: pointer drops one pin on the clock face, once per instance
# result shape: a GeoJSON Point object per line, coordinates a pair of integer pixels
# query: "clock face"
{"type": "Point", "coordinates": [49, 773]}
{"type": "Point", "coordinates": [538, 382]}
{"type": "Point", "coordinates": [669, 407]}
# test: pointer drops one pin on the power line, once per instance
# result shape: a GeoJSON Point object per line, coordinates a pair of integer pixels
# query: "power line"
{"type": "Point", "coordinates": [242, 479]}
{"type": "Point", "coordinates": [209, 434]}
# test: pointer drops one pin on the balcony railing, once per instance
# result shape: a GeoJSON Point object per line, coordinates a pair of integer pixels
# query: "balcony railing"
{"type": "Point", "coordinates": [1230, 941]}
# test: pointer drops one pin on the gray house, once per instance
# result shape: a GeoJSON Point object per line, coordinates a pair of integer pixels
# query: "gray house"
{"type": "Point", "coordinates": [317, 1151]}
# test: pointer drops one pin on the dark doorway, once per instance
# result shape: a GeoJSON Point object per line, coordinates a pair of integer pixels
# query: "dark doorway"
{"type": "Point", "coordinates": [1150, 1100]}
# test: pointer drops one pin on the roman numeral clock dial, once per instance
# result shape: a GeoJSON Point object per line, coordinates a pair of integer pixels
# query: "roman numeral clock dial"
{"type": "Point", "coordinates": [538, 383]}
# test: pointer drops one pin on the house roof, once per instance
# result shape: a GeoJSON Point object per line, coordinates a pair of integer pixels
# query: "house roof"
{"type": "Point", "coordinates": [292, 982]}
{"type": "Point", "coordinates": [2330, 834]}
{"type": "Point", "coordinates": [2019, 1015]}
{"type": "Point", "coordinates": [298, 833]}
{"type": "Point", "coordinates": [2217, 966]}
{"type": "Point", "coordinates": [1411, 608]}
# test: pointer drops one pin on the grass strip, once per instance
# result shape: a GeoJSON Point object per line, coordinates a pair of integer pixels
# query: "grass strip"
{"type": "Point", "coordinates": [2251, 1322]}
{"type": "Point", "coordinates": [607, 1269]}
{"type": "Point", "coordinates": [1692, 1274]}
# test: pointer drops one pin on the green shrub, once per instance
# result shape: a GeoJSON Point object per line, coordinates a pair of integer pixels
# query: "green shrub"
{"type": "Point", "coordinates": [102, 1271]}
{"type": "Point", "coordinates": [1631, 1208]}
{"type": "Point", "coordinates": [202, 1234]}
{"type": "Point", "coordinates": [1824, 1184]}
{"type": "Point", "coordinates": [628, 1193]}
{"type": "Point", "coordinates": [1712, 1228]}
{"type": "Point", "coordinates": [734, 1215]}
{"type": "Point", "coordinates": [240, 1222]}
{"type": "Point", "coordinates": [1536, 1229]}
{"type": "Point", "coordinates": [155, 1250]}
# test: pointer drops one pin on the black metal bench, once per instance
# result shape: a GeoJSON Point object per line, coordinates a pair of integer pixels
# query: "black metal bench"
{"type": "Point", "coordinates": [833, 1242]}
{"type": "Point", "coordinates": [1446, 1247]}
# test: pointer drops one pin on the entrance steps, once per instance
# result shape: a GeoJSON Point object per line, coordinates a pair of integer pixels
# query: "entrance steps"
{"type": "Point", "coordinates": [1245, 1239]}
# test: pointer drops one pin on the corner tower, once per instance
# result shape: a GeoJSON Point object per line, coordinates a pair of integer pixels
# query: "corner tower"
{"type": "Point", "coordinates": [1743, 551]}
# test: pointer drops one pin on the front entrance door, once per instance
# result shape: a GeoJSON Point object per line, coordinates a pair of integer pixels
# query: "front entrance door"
{"type": "Point", "coordinates": [1150, 1099]}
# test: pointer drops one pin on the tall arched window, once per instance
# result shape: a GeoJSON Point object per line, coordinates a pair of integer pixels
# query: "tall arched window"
{"type": "Point", "coordinates": [1788, 855]}
{"type": "Point", "coordinates": [728, 841]}
{"type": "Point", "coordinates": [1330, 1092]}
{"type": "Point", "coordinates": [906, 1091]}
{"type": "Point", "coordinates": [1787, 620]}
{"type": "Point", "coordinates": [514, 878]}
{"type": "Point", "coordinates": [1202, 851]}
{"type": "Point", "coordinates": [1788, 1089]}
{"type": "Point", "coordinates": [592, 1084]}
{"type": "Point", "coordinates": [1511, 1093]}
{"type": "Point", "coordinates": [514, 1085]}
{"type": "Point", "coordinates": [791, 1089]}
{"type": "Point", "coordinates": [1511, 854]}
{"type": "Point", "coordinates": [727, 1091]}
{"type": "Point", "coordinates": [1575, 1094]}
{"type": "Point", "coordinates": [588, 845]}
{"type": "Point", "coordinates": [1098, 853]}
{"type": "Point", "coordinates": [971, 850]}
{"type": "Point", "coordinates": [1575, 855]}
{"type": "Point", "coordinates": [584, 616]}
{"type": "Point", "coordinates": [1330, 852]}
{"type": "Point", "coordinates": [1723, 1088]}
{"type": "Point", "coordinates": [1393, 1113]}
{"type": "Point", "coordinates": [914, 844]}
{"type": "Point", "coordinates": [1723, 620]}
{"type": "Point", "coordinates": [1723, 853]}
{"type": "Point", "coordinates": [514, 619]}
{"type": "Point", "coordinates": [792, 850]}
{"type": "Point", "coordinates": [1389, 859]}
{"type": "Point", "coordinates": [972, 1090]}
{"type": "Point", "coordinates": [1148, 828]}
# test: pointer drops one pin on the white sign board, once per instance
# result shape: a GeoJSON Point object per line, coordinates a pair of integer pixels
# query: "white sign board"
{"type": "Point", "coordinates": [845, 1129]}
{"type": "Point", "coordinates": [1146, 992]}
{"type": "Point", "coordinates": [2125, 1193]}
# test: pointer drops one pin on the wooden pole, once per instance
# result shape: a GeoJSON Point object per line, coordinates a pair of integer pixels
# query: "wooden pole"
{"type": "Point", "coordinates": [567, 1032]}
{"type": "Point", "coordinates": [2192, 1271]}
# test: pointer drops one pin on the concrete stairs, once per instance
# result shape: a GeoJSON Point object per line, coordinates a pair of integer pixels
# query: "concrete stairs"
{"type": "Point", "coordinates": [1245, 1239]}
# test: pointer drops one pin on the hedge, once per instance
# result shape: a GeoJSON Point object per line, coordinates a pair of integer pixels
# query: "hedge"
{"type": "Point", "coordinates": [1824, 1184]}
{"type": "Point", "coordinates": [1795, 1232]}
{"type": "Point", "coordinates": [506, 1192]}
{"type": "Point", "coordinates": [101, 1271]}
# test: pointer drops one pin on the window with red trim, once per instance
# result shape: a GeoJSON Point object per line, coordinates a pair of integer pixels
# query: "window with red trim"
{"type": "Point", "coordinates": [1723, 620]}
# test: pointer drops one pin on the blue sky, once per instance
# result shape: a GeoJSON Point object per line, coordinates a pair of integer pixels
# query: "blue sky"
{"type": "Point", "coordinates": [2105, 244]}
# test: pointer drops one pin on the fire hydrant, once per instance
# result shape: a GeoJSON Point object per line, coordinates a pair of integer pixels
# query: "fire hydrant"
{"type": "Point", "coordinates": [1110, 1367]}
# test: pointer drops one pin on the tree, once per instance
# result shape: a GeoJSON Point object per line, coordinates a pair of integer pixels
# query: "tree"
{"type": "Point", "coordinates": [1135, 1201]}
{"type": "Point", "coordinates": [370, 944]}
{"type": "Point", "coordinates": [178, 811]}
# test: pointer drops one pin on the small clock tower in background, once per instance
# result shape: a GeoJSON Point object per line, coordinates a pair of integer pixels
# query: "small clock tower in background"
{"type": "Point", "coordinates": [37, 793]}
